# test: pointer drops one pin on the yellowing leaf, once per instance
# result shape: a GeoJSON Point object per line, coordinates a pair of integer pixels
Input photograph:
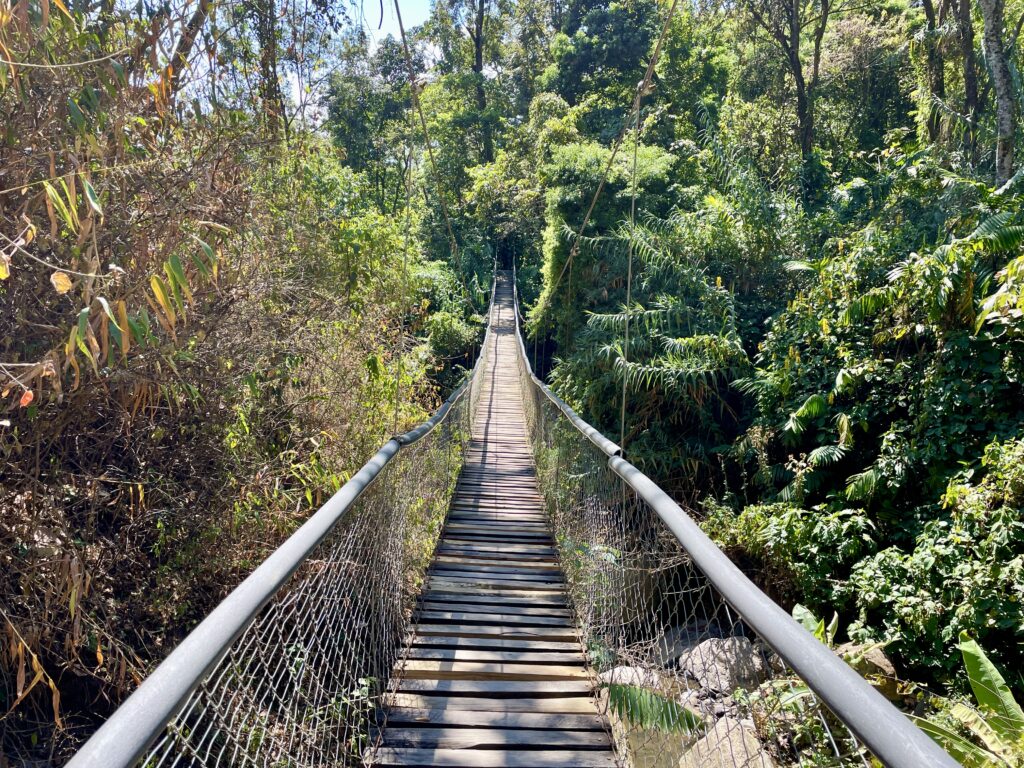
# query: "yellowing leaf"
{"type": "Point", "coordinates": [27, 398]}
{"type": "Point", "coordinates": [5, 267]}
{"type": "Point", "coordinates": [162, 294]}
{"type": "Point", "coordinates": [61, 282]}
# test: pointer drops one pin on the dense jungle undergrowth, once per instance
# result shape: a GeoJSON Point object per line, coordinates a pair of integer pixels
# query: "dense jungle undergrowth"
{"type": "Point", "coordinates": [237, 252]}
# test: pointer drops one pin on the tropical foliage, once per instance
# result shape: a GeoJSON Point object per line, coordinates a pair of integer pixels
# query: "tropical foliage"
{"type": "Point", "coordinates": [243, 243]}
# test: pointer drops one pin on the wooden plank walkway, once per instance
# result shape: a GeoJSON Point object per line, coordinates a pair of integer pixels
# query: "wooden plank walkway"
{"type": "Point", "coordinates": [494, 674]}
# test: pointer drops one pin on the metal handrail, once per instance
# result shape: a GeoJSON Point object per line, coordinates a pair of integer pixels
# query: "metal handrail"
{"type": "Point", "coordinates": [608, 447]}
{"type": "Point", "coordinates": [879, 725]}
{"type": "Point", "coordinates": [124, 738]}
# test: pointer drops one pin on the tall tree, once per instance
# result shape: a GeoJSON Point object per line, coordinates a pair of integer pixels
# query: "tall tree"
{"type": "Point", "coordinates": [471, 17]}
{"type": "Point", "coordinates": [965, 34]}
{"type": "Point", "coordinates": [997, 56]}
{"type": "Point", "coordinates": [785, 21]}
{"type": "Point", "coordinates": [935, 70]}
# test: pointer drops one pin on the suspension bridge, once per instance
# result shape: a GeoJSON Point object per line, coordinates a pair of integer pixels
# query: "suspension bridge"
{"type": "Point", "coordinates": [501, 587]}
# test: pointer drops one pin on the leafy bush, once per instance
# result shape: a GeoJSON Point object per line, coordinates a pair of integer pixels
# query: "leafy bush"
{"type": "Point", "coordinates": [990, 735]}
{"type": "Point", "coordinates": [964, 572]}
{"type": "Point", "coordinates": [795, 554]}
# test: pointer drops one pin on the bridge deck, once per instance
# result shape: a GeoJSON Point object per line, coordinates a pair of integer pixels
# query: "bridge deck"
{"type": "Point", "coordinates": [495, 674]}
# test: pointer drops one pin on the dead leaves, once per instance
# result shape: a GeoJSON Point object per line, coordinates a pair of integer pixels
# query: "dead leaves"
{"type": "Point", "coordinates": [20, 652]}
{"type": "Point", "coordinates": [61, 282]}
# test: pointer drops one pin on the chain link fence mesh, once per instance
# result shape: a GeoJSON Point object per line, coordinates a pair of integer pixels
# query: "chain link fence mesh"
{"type": "Point", "coordinates": [683, 680]}
{"type": "Point", "coordinates": [301, 687]}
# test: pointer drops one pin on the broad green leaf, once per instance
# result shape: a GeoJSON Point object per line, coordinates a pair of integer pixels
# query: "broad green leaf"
{"type": "Point", "coordinates": [71, 222]}
{"type": "Point", "coordinates": [974, 722]}
{"type": "Point", "coordinates": [962, 750]}
{"type": "Point", "coordinates": [647, 709]}
{"type": "Point", "coordinates": [178, 272]}
{"type": "Point", "coordinates": [175, 289]}
{"type": "Point", "coordinates": [805, 618]}
{"type": "Point", "coordinates": [813, 407]}
{"type": "Point", "coordinates": [994, 697]}
{"type": "Point", "coordinates": [200, 264]}
{"type": "Point", "coordinates": [77, 117]}
{"type": "Point", "coordinates": [110, 314]}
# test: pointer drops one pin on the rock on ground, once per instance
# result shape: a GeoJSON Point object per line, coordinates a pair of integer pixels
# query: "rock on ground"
{"type": "Point", "coordinates": [635, 676]}
{"type": "Point", "coordinates": [729, 744]}
{"type": "Point", "coordinates": [724, 664]}
{"type": "Point", "coordinates": [872, 663]}
{"type": "Point", "coordinates": [678, 640]}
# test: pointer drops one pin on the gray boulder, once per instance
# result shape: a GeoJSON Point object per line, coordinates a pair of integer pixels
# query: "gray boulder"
{"type": "Point", "coordinates": [634, 676]}
{"type": "Point", "coordinates": [728, 744]}
{"type": "Point", "coordinates": [722, 665]}
{"type": "Point", "coordinates": [678, 640]}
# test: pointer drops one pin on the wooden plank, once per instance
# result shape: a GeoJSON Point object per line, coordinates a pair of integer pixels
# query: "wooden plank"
{"type": "Point", "coordinates": [576, 705]}
{"type": "Point", "coordinates": [442, 737]}
{"type": "Point", "coordinates": [503, 643]}
{"type": "Point", "coordinates": [506, 598]}
{"type": "Point", "coordinates": [500, 594]}
{"type": "Point", "coordinates": [494, 579]}
{"type": "Point", "coordinates": [458, 539]}
{"type": "Point", "coordinates": [435, 669]}
{"type": "Point", "coordinates": [503, 619]}
{"type": "Point", "coordinates": [565, 658]}
{"type": "Point", "coordinates": [490, 758]}
{"type": "Point", "coordinates": [490, 608]}
{"type": "Point", "coordinates": [469, 718]}
{"type": "Point", "coordinates": [503, 560]}
{"type": "Point", "coordinates": [447, 581]}
{"type": "Point", "coordinates": [563, 635]}
{"type": "Point", "coordinates": [534, 689]}
{"type": "Point", "coordinates": [504, 572]}
{"type": "Point", "coordinates": [520, 551]}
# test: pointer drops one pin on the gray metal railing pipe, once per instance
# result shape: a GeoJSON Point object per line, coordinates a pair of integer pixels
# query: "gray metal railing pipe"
{"type": "Point", "coordinates": [881, 727]}
{"type": "Point", "coordinates": [123, 739]}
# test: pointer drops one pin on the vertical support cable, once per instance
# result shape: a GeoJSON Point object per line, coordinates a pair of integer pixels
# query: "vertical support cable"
{"type": "Point", "coordinates": [405, 278]}
{"type": "Point", "coordinates": [629, 267]}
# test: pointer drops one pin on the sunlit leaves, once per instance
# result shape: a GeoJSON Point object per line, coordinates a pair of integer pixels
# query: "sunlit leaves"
{"type": "Point", "coordinates": [91, 196]}
{"type": "Point", "coordinates": [60, 281]}
{"type": "Point", "coordinates": [646, 709]}
{"type": "Point", "coordinates": [862, 486]}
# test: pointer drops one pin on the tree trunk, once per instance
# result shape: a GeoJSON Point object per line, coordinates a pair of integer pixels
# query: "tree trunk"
{"type": "Point", "coordinates": [269, 87]}
{"type": "Point", "coordinates": [478, 69]}
{"type": "Point", "coordinates": [1002, 83]}
{"type": "Point", "coordinates": [965, 28]}
{"type": "Point", "coordinates": [934, 70]}
{"type": "Point", "coordinates": [804, 109]}
{"type": "Point", "coordinates": [182, 51]}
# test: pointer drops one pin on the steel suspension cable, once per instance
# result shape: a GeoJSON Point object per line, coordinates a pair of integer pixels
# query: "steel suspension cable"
{"type": "Point", "coordinates": [399, 368]}
{"type": "Point", "coordinates": [426, 134]}
{"type": "Point", "coordinates": [629, 272]}
{"type": "Point", "coordinates": [642, 88]}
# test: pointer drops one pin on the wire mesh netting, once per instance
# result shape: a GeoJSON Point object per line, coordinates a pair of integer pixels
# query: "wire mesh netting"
{"type": "Point", "coordinates": [302, 684]}
{"type": "Point", "coordinates": [684, 681]}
